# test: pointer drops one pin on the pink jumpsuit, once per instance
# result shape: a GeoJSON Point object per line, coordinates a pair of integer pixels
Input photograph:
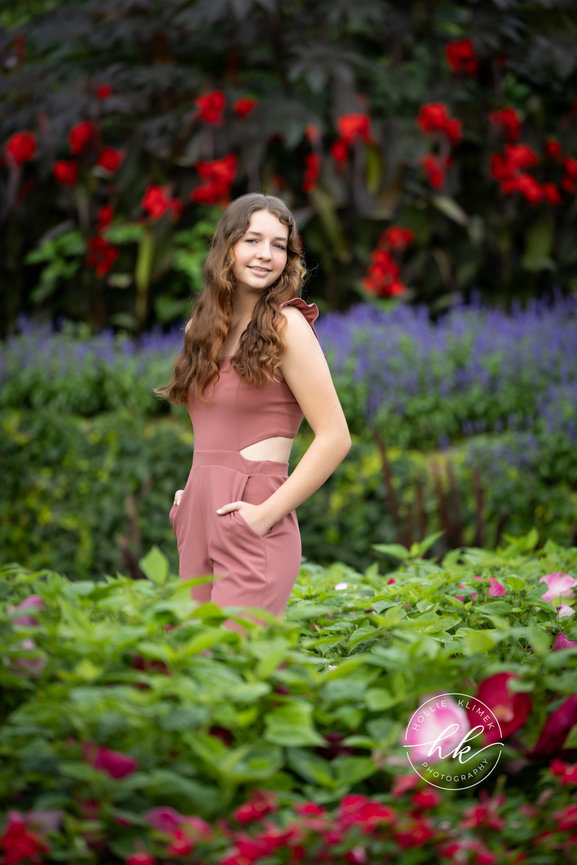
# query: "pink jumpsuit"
{"type": "Point", "coordinates": [248, 570]}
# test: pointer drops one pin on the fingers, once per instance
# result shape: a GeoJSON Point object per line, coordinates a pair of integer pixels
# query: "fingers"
{"type": "Point", "coordinates": [231, 506]}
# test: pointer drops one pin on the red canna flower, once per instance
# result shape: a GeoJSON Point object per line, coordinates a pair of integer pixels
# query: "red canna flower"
{"type": "Point", "coordinates": [551, 194]}
{"type": "Point", "coordinates": [510, 708]}
{"type": "Point", "coordinates": [100, 258]}
{"type": "Point", "coordinates": [340, 151]}
{"type": "Point", "coordinates": [435, 170]}
{"type": "Point", "coordinates": [353, 127]}
{"type": "Point", "coordinates": [554, 149]}
{"type": "Point", "coordinates": [21, 147]}
{"type": "Point", "coordinates": [157, 201]}
{"type": "Point", "coordinates": [66, 173]}
{"type": "Point", "coordinates": [110, 159]}
{"type": "Point", "coordinates": [396, 238]}
{"type": "Point", "coordinates": [244, 107]}
{"type": "Point", "coordinates": [509, 120]}
{"type": "Point", "coordinates": [21, 844]}
{"type": "Point", "coordinates": [460, 55]}
{"type": "Point", "coordinates": [211, 106]}
{"type": "Point", "coordinates": [104, 91]}
{"type": "Point", "coordinates": [220, 174]}
{"type": "Point", "coordinates": [313, 163]}
{"type": "Point", "coordinates": [520, 155]}
{"type": "Point", "coordinates": [433, 117]}
{"type": "Point", "coordinates": [82, 135]}
{"type": "Point", "coordinates": [104, 218]}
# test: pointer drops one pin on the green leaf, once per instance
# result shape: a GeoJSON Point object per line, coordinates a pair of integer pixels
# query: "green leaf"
{"type": "Point", "coordinates": [291, 724]}
{"type": "Point", "coordinates": [450, 208]}
{"type": "Point", "coordinates": [311, 767]}
{"type": "Point", "coordinates": [395, 550]}
{"type": "Point", "coordinates": [155, 566]}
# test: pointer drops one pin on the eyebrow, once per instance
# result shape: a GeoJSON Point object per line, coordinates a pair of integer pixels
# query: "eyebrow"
{"type": "Point", "coordinates": [258, 234]}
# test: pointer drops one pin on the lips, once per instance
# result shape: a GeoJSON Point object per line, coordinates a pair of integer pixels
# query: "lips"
{"type": "Point", "coordinates": [260, 271]}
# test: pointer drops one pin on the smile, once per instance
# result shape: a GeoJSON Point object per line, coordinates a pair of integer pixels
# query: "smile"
{"type": "Point", "coordinates": [260, 271]}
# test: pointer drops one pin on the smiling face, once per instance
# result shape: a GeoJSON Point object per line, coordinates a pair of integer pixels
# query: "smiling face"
{"type": "Point", "coordinates": [260, 255]}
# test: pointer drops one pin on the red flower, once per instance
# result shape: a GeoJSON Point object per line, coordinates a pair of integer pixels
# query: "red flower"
{"type": "Point", "coordinates": [554, 150]}
{"type": "Point", "coordinates": [313, 162]}
{"type": "Point", "coordinates": [140, 859]}
{"type": "Point", "coordinates": [180, 844]}
{"type": "Point", "coordinates": [21, 146]}
{"type": "Point", "coordinates": [509, 120]}
{"type": "Point", "coordinates": [340, 150]}
{"type": "Point", "coordinates": [66, 173]}
{"type": "Point", "coordinates": [556, 729]}
{"type": "Point", "coordinates": [211, 106]}
{"type": "Point", "coordinates": [396, 238]}
{"type": "Point", "coordinates": [101, 257]}
{"type": "Point", "coordinates": [353, 127]}
{"type": "Point", "coordinates": [510, 708]}
{"type": "Point", "coordinates": [426, 798]}
{"type": "Point", "coordinates": [258, 806]}
{"type": "Point", "coordinates": [435, 170]}
{"type": "Point", "coordinates": [20, 844]}
{"type": "Point", "coordinates": [551, 194]}
{"type": "Point", "coordinates": [82, 135]}
{"type": "Point", "coordinates": [520, 155]}
{"type": "Point", "coordinates": [110, 159]}
{"type": "Point", "coordinates": [105, 215]}
{"type": "Point", "coordinates": [460, 55]}
{"type": "Point", "coordinates": [243, 107]}
{"type": "Point", "coordinates": [433, 117]}
{"type": "Point", "coordinates": [220, 174]}
{"type": "Point", "coordinates": [157, 201]}
{"type": "Point", "coordinates": [529, 188]}
{"type": "Point", "coordinates": [482, 815]}
{"type": "Point", "coordinates": [104, 91]}
{"type": "Point", "coordinates": [383, 275]}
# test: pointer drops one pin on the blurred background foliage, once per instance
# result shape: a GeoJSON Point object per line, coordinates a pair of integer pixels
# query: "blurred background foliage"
{"type": "Point", "coordinates": [127, 124]}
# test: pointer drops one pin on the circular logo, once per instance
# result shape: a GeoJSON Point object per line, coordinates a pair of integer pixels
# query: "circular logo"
{"type": "Point", "coordinates": [453, 741]}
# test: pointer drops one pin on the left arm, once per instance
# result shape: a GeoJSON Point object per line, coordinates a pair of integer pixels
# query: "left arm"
{"type": "Point", "coordinates": [305, 370]}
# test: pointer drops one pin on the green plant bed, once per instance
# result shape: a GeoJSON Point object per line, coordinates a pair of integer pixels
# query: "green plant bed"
{"type": "Point", "coordinates": [130, 715]}
{"type": "Point", "coordinates": [88, 496]}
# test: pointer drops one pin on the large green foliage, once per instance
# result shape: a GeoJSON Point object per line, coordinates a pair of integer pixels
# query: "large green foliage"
{"type": "Point", "coordinates": [312, 708]}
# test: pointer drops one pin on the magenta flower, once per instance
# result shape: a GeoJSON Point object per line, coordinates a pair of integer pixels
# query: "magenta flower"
{"type": "Point", "coordinates": [556, 729]}
{"type": "Point", "coordinates": [35, 603]}
{"type": "Point", "coordinates": [164, 819]}
{"type": "Point", "coordinates": [558, 586]}
{"type": "Point", "coordinates": [113, 763]}
{"type": "Point", "coordinates": [511, 708]}
{"type": "Point", "coordinates": [495, 588]}
{"type": "Point", "coordinates": [561, 642]}
{"type": "Point", "coordinates": [566, 772]}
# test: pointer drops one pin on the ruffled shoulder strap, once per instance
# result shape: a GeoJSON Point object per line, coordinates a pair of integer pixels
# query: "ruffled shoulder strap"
{"type": "Point", "coordinates": [309, 310]}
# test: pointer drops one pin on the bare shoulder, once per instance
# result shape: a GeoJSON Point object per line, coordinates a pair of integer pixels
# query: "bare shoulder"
{"type": "Point", "coordinates": [297, 329]}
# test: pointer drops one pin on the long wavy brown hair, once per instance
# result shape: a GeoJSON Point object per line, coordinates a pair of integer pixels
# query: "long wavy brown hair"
{"type": "Point", "coordinates": [261, 345]}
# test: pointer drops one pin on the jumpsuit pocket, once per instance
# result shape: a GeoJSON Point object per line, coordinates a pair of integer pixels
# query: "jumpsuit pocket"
{"type": "Point", "coordinates": [238, 518]}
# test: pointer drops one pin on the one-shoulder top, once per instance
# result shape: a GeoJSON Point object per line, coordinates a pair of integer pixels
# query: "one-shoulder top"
{"type": "Point", "coordinates": [237, 414]}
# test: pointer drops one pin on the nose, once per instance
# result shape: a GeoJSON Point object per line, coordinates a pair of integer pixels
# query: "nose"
{"type": "Point", "coordinates": [264, 251]}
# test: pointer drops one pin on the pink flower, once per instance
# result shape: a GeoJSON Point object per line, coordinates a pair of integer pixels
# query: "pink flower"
{"type": "Point", "coordinates": [426, 798]}
{"type": "Point", "coordinates": [33, 602]}
{"type": "Point", "coordinates": [140, 859]}
{"type": "Point", "coordinates": [511, 708]}
{"type": "Point", "coordinates": [113, 763]}
{"type": "Point", "coordinates": [27, 666]}
{"type": "Point", "coordinates": [495, 588]}
{"type": "Point", "coordinates": [164, 819]}
{"type": "Point", "coordinates": [561, 642]}
{"type": "Point", "coordinates": [565, 611]}
{"type": "Point", "coordinates": [566, 772]}
{"type": "Point", "coordinates": [426, 727]}
{"type": "Point", "coordinates": [556, 729]}
{"type": "Point", "coordinates": [558, 586]}
{"type": "Point", "coordinates": [403, 783]}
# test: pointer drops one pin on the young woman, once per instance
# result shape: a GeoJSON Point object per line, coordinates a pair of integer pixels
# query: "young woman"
{"type": "Point", "coordinates": [250, 368]}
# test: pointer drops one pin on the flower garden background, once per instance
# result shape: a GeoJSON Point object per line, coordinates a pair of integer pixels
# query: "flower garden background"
{"type": "Point", "coordinates": [429, 151]}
